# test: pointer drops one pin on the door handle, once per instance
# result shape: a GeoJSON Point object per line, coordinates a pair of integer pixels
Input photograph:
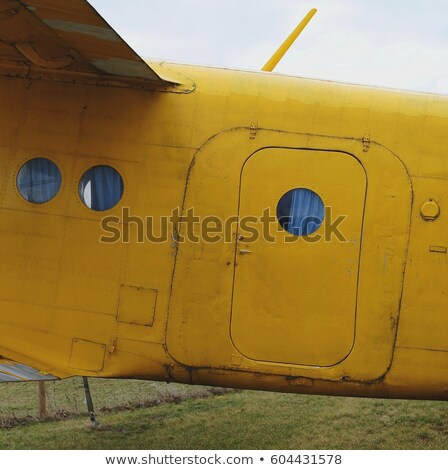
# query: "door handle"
{"type": "Point", "coordinates": [245, 252]}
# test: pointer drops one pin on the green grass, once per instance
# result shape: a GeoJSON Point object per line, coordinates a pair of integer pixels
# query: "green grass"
{"type": "Point", "coordinates": [246, 420]}
{"type": "Point", "coordinates": [19, 401]}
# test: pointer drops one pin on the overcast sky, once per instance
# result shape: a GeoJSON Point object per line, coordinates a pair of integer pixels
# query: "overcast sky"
{"type": "Point", "coordinates": [393, 43]}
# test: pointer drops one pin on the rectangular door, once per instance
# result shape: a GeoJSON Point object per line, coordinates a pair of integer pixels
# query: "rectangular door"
{"type": "Point", "coordinates": [296, 276]}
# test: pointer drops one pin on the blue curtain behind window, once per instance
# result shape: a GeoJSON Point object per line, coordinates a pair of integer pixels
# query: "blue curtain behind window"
{"type": "Point", "coordinates": [106, 188]}
{"type": "Point", "coordinates": [39, 180]}
{"type": "Point", "coordinates": [301, 211]}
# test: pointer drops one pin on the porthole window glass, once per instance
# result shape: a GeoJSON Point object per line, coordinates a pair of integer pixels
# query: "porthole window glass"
{"type": "Point", "coordinates": [101, 188]}
{"type": "Point", "coordinates": [39, 180]}
{"type": "Point", "coordinates": [300, 211]}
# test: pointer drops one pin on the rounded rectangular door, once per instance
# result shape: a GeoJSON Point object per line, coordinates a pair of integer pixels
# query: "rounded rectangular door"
{"type": "Point", "coordinates": [297, 256]}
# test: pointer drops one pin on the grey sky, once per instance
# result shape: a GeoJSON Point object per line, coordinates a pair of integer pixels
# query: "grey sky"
{"type": "Point", "coordinates": [392, 43]}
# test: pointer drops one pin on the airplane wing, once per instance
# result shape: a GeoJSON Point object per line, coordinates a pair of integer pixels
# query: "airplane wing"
{"type": "Point", "coordinates": [67, 40]}
{"type": "Point", "coordinates": [13, 372]}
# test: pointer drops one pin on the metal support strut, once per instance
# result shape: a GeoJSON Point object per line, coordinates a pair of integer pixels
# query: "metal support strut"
{"type": "Point", "coordinates": [89, 402]}
{"type": "Point", "coordinates": [283, 49]}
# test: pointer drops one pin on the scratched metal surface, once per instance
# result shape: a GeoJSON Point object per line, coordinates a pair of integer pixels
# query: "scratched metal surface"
{"type": "Point", "coordinates": [68, 36]}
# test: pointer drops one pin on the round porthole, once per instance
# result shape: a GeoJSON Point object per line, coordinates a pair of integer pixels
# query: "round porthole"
{"type": "Point", "coordinates": [101, 188]}
{"type": "Point", "coordinates": [300, 211]}
{"type": "Point", "coordinates": [39, 180]}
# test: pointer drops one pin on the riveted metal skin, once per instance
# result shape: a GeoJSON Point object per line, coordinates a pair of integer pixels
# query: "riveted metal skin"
{"type": "Point", "coordinates": [361, 315]}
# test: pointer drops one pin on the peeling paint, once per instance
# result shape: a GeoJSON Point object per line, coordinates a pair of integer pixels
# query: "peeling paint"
{"type": "Point", "coordinates": [125, 68]}
{"type": "Point", "coordinates": [301, 381]}
{"type": "Point", "coordinates": [106, 34]}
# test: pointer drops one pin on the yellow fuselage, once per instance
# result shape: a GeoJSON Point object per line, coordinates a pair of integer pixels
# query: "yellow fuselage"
{"type": "Point", "coordinates": [364, 316]}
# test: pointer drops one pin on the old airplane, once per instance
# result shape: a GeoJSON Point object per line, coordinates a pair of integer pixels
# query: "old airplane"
{"type": "Point", "coordinates": [209, 226]}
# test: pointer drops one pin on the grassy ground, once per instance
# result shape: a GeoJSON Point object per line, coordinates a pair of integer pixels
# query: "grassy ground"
{"type": "Point", "coordinates": [199, 419]}
{"type": "Point", "coordinates": [19, 401]}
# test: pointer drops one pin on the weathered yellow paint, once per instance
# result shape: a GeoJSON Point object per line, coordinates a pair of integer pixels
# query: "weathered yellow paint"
{"type": "Point", "coordinates": [137, 306]}
{"type": "Point", "coordinates": [372, 311]}
{"type": "Point", "coordinates": [283, 292]}
{"type": "Point", "coordinates": [87, 355]}
{"type": "Point", "coordinates": [200, 313]}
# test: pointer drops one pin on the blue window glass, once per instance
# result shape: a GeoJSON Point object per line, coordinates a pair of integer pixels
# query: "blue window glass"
{"type": "Point", "coordinates": [101, 188]}
{"type": "Point", "coordinates": [39, 180]}
{"type": "Point", "coordinates": [300, 211]}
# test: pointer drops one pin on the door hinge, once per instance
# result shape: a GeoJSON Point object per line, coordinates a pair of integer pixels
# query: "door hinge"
{"type": "Point", "coordinates": [366, 143]}
{"type": "Point", "coordinates": [253, 131]}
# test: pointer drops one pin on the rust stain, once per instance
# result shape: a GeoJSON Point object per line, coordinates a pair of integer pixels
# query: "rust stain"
{"type": "Point", "coordinates": [302, 381]}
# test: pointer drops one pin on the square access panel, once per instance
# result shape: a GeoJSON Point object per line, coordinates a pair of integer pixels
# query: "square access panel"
{"type": "Point", "coordinates": [137, 305]}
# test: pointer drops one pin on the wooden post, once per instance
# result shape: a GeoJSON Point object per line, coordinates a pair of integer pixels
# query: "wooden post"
{"type": "Point", "coordinates": [42, 400]}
